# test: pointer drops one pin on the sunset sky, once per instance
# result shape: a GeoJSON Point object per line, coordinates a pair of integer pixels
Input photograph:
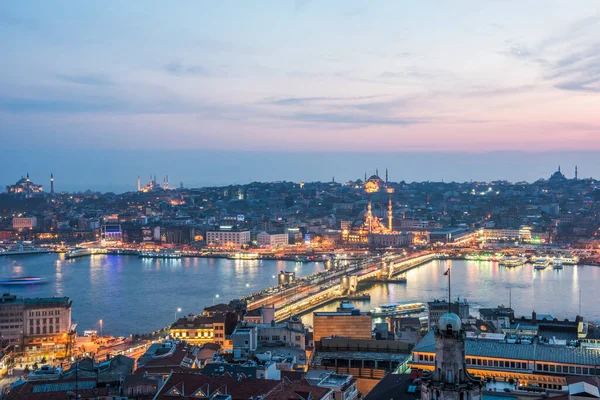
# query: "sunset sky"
{"type": "Point", "coordinates": [294, 76]}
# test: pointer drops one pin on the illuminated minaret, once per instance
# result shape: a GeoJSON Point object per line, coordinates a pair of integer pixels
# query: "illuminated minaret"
{"type": "Point", "coordinates": [139, 184]}
{"type": "Point", "coordinates": [51, 183]}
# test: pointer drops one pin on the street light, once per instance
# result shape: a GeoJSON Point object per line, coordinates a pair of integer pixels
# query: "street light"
{"type": "Point", "coordinates": [100, 328]}
{"type": "Point", "coordinates": [214, 298]}
{"type": "Point", "coordinates": [177, 311]}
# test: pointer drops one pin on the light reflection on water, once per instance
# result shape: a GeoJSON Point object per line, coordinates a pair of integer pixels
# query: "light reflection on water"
{"type": "Point", "coordinates": [132, 294]}
{"type": "Point", "coordinates": [487, 284]}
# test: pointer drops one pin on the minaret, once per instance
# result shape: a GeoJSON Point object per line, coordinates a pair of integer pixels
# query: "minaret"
{"type": "Point", "coordinates": [139, 184]}
{"type": "Point", "coordinates": [386, 177]}
{"type": "Point", "coordinates": [377, 171]}
{"type": "Point", "coordinates": [390, 213]}
{"type": "Point", "coordinates": [365, 176]}
{"type": "Point", "coordinates": [51, 183]}
{"type": "Point", "coordinates": [576, 172]}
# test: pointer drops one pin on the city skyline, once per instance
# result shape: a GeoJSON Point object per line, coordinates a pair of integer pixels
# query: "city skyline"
{"type": "Point", "coordinates": [297, 76]}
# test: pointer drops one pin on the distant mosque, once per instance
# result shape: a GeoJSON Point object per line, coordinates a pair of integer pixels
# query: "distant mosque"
{"type": "Point", "coordinates": [369, 229]}
{"type": "Point", "coordinates": [559, 177]}
{"type": "Point", "coordinates": [27, 187]}
{"type": "Point", "coordinates": [153, 185]}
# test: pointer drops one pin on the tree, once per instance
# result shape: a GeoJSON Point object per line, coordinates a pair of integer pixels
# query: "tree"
{"type": "Point", "coordinates": [26, 370]}
{"type": "Point", "coordinates": [44, 360]}
{"type": "Point", "coordinates": [35, 366]}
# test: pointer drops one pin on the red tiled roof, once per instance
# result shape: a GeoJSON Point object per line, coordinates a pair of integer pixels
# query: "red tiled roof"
{"type": "Point", "coordinates": [298, 390]}
{"type": "Point", "coordinates": [25, 391]}
{"type": "Point", "coordinates": [187, 384]}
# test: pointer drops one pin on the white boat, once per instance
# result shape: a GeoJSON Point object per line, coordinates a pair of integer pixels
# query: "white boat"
{"type": "Point", "coordinates": [243, 256]}
{"type": "Point", "coordinates": [541, 263]}
{"type": "Point", "coordinates": [79, 252]}
{"type": "Point", "coordinates": [513, 261]}
{"type": "Point", "coordinates": [21, 250]}
{"type": "Point", "coordinates": [570, 260]}
{"type": "Point", "coordinates": [160, 254]}
{"type": "Point", "coordinates": [399, 309]}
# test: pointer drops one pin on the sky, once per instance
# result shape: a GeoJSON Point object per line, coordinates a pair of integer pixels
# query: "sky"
{"type": "Point", "coordinates": [231, 91]}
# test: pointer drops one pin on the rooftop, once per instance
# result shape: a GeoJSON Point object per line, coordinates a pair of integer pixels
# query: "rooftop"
{"type": "Point", "coordinates": [535, 352]}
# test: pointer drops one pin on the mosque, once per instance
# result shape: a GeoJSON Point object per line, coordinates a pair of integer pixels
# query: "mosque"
{"type": "Point", "coordinates": [27, 187]}
{"type": "Point", "coordinates": [367, 229]}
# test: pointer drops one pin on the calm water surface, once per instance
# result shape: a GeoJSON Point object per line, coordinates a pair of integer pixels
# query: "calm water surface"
{"type": "Point", "coordinates": [138, 295]}
{"type": "Point", "coordinates": [487, 284]}
{"type": "Point", "coordinates": [135, 295]}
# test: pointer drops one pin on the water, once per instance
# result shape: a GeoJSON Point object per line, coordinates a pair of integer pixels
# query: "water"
{"type": "Point", "coordinates": [487, 284]}
{"type": "Point", "coordinates": [135, 295]}
{"type": "Point", "coordinates": [138, 295]}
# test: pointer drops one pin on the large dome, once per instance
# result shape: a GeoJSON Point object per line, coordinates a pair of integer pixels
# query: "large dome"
{"type": "Point", "coordinates": [449, 319]}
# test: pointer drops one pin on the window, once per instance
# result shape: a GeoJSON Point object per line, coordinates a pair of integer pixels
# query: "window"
{"type": "Point", "coordinates": [578, 370]}
{"type": "Point", "coordinates": [31, 330]}
{"type": "Point", "coordinates": [585, 371]}
{"type": "Point", "coordinates": [545, 367]}
{"type": "Point", "coordinates": [539, 367]}
{"type": "Point", "coordinates": [571, 370]}
{"type": "Point", "coordinates": [512, 364]}
{"type": "Point", "coordinates": [485, 363]}
{"type": "Point", "coordinates": [495, 363]}
{"type": "Point", "coordinates": [558, 368]}
{"type": "Point", "coordinates": [551, 368]}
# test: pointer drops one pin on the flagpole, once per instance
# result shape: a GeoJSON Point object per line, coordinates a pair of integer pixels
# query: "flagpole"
{"type": "Point", "coordinates": [449, 292]}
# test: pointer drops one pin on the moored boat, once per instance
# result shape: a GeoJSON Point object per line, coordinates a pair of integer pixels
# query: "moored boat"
{"type": "Point", "coordinates": [243, 256]}
{"type": "Point", "coordinates": [541, 263]}
{"type": "Point", "coordinates": [510, 262]}
{"type": "Point", "coordinates": [557, 263]}
{"type": "Point", "coordinates": [79, 252]}
{"type": "Point", "coordinates": [160, 254]}
{"type": "Point", "coordinates": [22, 249]}
{"type": "Point", "coordinates": [399, 309]}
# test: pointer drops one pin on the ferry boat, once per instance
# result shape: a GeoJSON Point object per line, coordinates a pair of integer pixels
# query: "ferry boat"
{"type": "Point", "coordinates": [399, 309]}
{"type": "Point", "coordinates": [570, 260]}
{"type": "Point", "coordinates": [510, 262]}
{"type": "Point", "coordinates": [80, 252]}
{"type": "Point", "coordinates": [541, 263]}
{"type": "Point", "coordinates": [243, 256]}
{"type": "Point", "coordinates": [160, 254]}
{"type": "Point", "coordinates": [21, 250]}
{"type": "Point", "coordinates": [557, 263]}
{"type": "Point", "coordinates": [26, 280]}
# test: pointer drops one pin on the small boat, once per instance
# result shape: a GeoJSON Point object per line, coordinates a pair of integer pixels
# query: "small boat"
{"type": "Point", "coordinates": [26, 280]}
{"type": "Point", "coordinates": [557, 263]}
{"type": "Point", "coordinates": [243, 256]}
{"type": "Point", "coordinates": [541, 263]}
{"type": "Point", "coordinates": [79, 252]}
{"type": "Point", "coordinates": [510, 262]}
{"type": "Point", "coordinates": [160, 254]}
{"type": "Point", "coordinates": [395, 309]}
{"type": "Point", "coordinates": [359, 296]}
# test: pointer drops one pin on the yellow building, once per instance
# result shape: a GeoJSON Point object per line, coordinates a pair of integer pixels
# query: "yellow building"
{"type": "Point", "coordinates": [194, 329]}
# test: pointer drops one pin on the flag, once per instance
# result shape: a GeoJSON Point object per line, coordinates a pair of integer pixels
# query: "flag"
{"type": "Point", "coordinates": [447, 272]}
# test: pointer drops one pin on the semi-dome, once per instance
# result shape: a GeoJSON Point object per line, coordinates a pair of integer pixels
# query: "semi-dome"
{"type": "Point", "coordinates": [449, 319]}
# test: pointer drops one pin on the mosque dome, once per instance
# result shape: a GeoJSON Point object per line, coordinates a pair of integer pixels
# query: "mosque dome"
{"type": "Point", "coordinates": [449, 319]}
{"type": "Point", "coordinates": [374, 178]}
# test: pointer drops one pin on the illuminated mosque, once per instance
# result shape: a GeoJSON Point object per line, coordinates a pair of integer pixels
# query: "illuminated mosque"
{"type": "Point", "coordinates": [27, 187]}
{"type": "Point", "coordinates": [369, 229]}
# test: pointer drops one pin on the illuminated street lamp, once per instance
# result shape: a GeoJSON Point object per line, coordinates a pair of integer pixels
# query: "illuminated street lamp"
{"type": "Point", "coordinates": [214, 298]}
{"type": "Point", "coordinates": [100, 328]}
{"type": "Point", "coordinates": [177, 311]}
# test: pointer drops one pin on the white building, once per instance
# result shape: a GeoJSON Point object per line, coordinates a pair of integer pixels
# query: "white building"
{"type": "Point", "coordinates": [272, 239]}
{"type": "Point", "coordinates": [24, 222]}
{"type": "Point", "coordinates": [227, 238]}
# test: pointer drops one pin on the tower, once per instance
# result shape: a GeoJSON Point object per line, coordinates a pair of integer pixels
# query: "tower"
{"type": "Point", "coordinates": [450, 380]}
{"type": "Point", "coordinates": [386, 176]}
{"type": "Point", "coordinates": [390, 210]}
{"type": "Point", "coordinates": [576, 172]}
{"type": "Point", "coordinates": [139, 184]}
{"type": "Point", "coordinates": [51, 183]}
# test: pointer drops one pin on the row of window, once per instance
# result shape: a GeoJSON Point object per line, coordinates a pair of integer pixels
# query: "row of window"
{"type": "Point", "coordinates": [43, 313]}
{"type": "Point", "coordinates": [9, 326]}
{"type": "Point", "coordinates": [198, 334]}
{"type": "Point", "coordinates": [567, 369]}
{"type": "Point", "coordinates": [46, 320]}
{"type": "Point", "coordinates": [39, 331]}
{"type": "Point", "coordinates": [496, 363]}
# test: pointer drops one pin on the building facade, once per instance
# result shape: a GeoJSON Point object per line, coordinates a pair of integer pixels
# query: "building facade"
{"type": "Point", "coordinates": [272, 239]}
{"type": "Point", "coordinates": [24, 222]}
{"type": "Point", "coordinates": [352, 324]}
{"type": "Point", "coordinates": [227, 238]}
